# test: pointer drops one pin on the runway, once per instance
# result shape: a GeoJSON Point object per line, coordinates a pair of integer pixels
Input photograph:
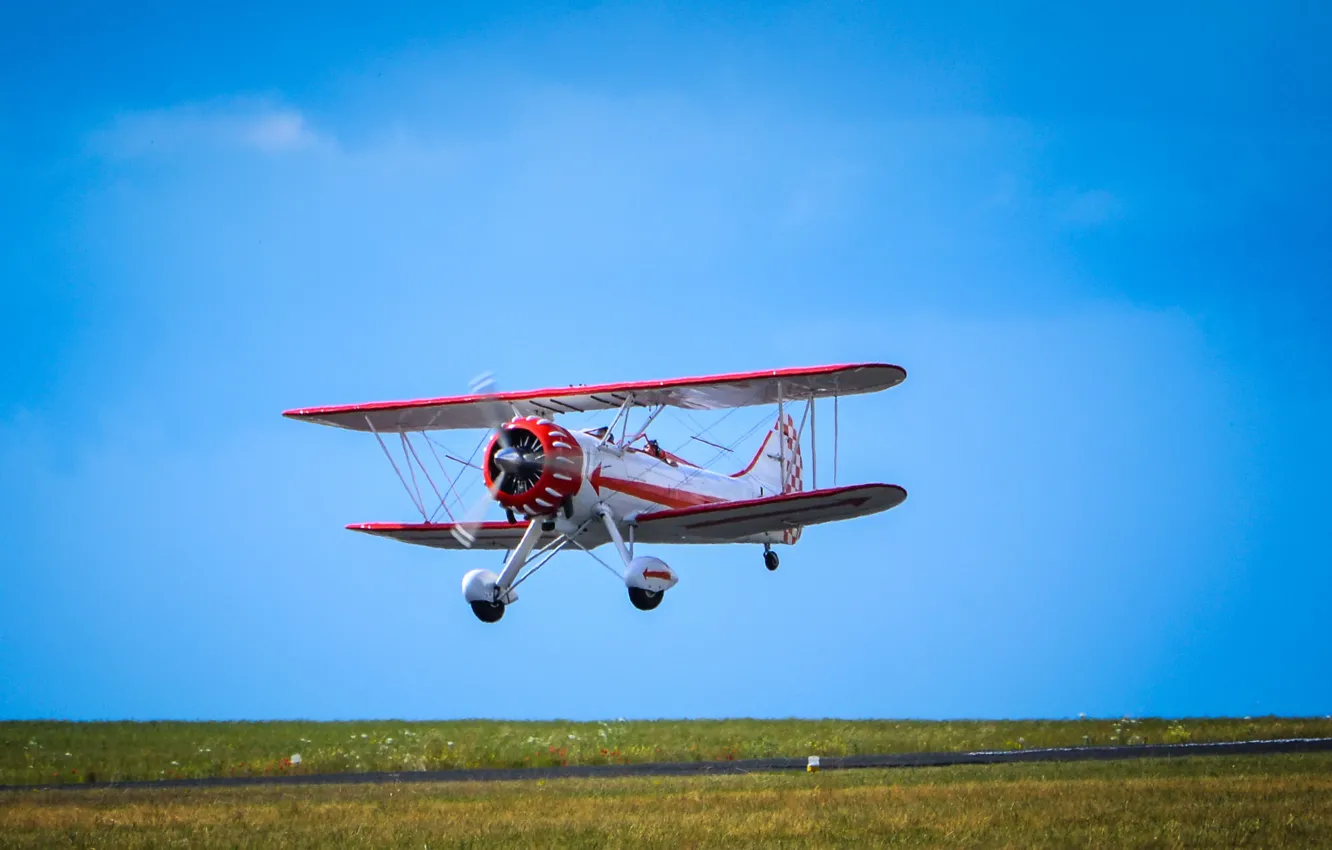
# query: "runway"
{"type": "Point", "coordinates": [739, 766]}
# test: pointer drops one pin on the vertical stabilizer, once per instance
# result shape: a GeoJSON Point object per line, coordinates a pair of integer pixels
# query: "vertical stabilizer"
{"type": "Point", "coordinates": [778, 467]}
{"type": "Point", "coordinates": [781, 447]}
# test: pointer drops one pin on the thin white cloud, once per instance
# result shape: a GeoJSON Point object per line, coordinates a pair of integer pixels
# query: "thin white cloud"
{"type": "Point", "coordinates": [246, 125]}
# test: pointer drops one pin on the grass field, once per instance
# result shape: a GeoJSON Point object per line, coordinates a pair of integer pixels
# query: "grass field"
{"type": "Point", "coordinates": [42, 752]}
{"type": "Point", "coordinates": [1260, 801]}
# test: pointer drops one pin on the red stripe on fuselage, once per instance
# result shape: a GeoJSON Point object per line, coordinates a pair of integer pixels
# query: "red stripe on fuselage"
{"type": "Point", "coordinates": [671, 497]}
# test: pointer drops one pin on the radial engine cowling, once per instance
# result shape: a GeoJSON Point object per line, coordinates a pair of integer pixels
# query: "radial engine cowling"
{"type": "Point", "coordinates": [533, 465]}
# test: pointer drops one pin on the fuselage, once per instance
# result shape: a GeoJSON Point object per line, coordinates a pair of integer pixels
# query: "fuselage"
{"type": "Point", "coordinates": [631, 480]}
{"type": "Point", "coordinates": [538, 469]}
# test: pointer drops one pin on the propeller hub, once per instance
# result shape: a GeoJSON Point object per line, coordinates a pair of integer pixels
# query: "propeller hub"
{"type": "Point", "coordinates": [516, 462]}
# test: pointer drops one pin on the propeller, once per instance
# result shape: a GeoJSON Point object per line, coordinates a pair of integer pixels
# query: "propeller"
{"type": "Point", "coordinates": [513, 468]}
{"type": "Point", "coordinates": [465, 531]}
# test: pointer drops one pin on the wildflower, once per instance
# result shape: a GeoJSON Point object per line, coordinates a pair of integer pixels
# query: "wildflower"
{"type": "Point", "coordinates": [176, 763]}
{"type": "Point", "coordinates": [388, 740]}
{"type": "Point", "coordinates": [450, 743]}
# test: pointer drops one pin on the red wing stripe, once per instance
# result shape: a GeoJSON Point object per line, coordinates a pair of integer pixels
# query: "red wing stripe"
{"type": "Point", "coordinates": [432, 526]}
{"type": "Point", "coordinates": [613, 390]}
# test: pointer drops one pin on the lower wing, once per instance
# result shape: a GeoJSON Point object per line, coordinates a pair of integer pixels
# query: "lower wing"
{"type": "Point", "coordinates": [721, 522]}
{"type": "Point", "coordinates": [733, 521]}
{"type": "Point", "coordinates": [439, 535]}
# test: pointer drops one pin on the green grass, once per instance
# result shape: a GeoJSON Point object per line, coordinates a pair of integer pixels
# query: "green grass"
{"type": "Point", "coordinates": [40, 752]}
{"type": "Point", "coordinates": [1219, 801]}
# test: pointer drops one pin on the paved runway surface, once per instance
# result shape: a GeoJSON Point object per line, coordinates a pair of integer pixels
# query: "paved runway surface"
{"type": "Point", "coordinates": [694, 768]}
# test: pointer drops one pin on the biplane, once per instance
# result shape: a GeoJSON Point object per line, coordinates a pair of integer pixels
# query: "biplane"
{"type": "Point", "coordinates": [564, 488]}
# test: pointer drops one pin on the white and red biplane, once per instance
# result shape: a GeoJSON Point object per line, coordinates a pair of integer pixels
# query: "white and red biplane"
{"type": "Point", "coordinates": [584, 488]}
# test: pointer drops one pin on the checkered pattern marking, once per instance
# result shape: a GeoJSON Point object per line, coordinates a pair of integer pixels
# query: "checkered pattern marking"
{"type": "Point", "coordinates": [794, 480]}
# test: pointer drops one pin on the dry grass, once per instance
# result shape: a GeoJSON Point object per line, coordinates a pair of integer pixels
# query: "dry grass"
{"type": "Point", "coordinates": [1267, 801]}
{"type": "Point", "coordinates": [48, 752]}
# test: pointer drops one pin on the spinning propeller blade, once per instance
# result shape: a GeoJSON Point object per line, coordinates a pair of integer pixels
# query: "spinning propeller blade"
{"type": "Point", "coordinates": [465, 531]}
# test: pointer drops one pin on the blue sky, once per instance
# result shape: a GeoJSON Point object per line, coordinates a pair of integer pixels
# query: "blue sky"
{"type": "Point", "coordinates": [1097, 240]}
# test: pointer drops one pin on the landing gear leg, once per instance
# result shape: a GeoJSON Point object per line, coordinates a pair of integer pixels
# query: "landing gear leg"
{"type": "Point", "coordinates": [488, 593]}
{"type": "Point", "coordinates": [770, 559]}
{"type": "Point", "coordinates": [638, 571]}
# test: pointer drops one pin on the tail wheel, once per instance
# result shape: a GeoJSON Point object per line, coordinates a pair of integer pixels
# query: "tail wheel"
{"type": "Point", "coordinates": [645, 600]}
{"type": "Point", "coordinates": [770, 560]}
{"type": "Point", "coordinates": [488, 612]}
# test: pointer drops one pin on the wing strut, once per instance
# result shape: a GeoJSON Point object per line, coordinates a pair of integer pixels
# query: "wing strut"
{"type": "Point", "coordinates": [412, 459]}
{"type": "Point", "coordinates": [643, 430]}
{"type": "Point", "coordinates": [413, 496]}
{"type": "Point", "coordinates": [834, 439]}
{"type": "Point", "coordinates": [813, 445]}
{"type": "Point", "coordinates": [781, 438]}
{"type": "Point", "coordinates": [623, 413]}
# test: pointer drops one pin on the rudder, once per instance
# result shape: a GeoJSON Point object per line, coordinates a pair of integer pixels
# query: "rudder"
{"type": "Point", "coordinates": [766, 467]}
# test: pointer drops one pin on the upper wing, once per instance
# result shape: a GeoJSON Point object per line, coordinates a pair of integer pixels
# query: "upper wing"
{"type": "Point", "coordinates": [439, 535]}
{"type": "Point", "coordinates": [729, 521]}
{"type": "Point", "coordinates": [710, 392]}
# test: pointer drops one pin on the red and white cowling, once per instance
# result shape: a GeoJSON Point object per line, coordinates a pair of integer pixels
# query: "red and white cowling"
{"type": "Point", "coordinates": [550, 471]}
